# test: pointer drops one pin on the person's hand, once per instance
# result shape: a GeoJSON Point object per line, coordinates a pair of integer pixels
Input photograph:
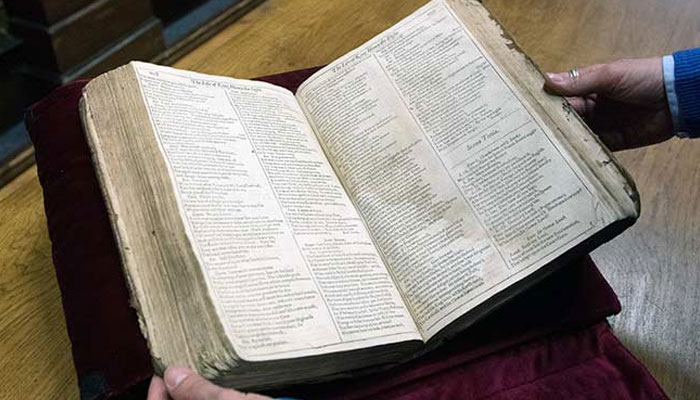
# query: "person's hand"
{"type": "Point", "coordinates": [624, 102]}
{"type": "Point", "coordinates": [183, 384]}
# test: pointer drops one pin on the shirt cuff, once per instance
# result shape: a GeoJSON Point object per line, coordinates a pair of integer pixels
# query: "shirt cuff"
{"type": "Point", "coordinates": [671, 95]}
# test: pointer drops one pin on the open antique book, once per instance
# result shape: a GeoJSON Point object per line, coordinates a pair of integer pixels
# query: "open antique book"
{"type": "Point", "coordinates": [403, 192]}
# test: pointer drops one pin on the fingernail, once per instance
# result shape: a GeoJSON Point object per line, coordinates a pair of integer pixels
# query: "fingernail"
{"type": "Point", "coordinates": [174, 376]}
{"type": "Point", "coordinates": [555, 78]}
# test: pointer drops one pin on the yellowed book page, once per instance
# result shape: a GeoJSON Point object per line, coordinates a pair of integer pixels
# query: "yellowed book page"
{"type": "Point", "coordinates": [288, 262]}
{"type": "Point", "coordinates": [461, 184]}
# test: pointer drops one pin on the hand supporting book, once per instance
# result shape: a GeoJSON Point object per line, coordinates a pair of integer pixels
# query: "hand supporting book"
{"type": "Point", "coordinates": [184, 384]}
{"type": "Point", "coordinates": [624, 101]}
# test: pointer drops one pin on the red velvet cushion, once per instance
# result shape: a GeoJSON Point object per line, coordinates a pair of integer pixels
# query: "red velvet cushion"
{"type": "Point", "coordinates": [550, 342]}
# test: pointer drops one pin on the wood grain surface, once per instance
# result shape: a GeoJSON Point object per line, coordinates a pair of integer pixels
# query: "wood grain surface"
{"type": "Point", "coordinates": [654, 266]}
{"type": "Point", "coordinates": [35, 357]}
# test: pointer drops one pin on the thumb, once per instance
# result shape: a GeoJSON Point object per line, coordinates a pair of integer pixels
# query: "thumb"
{"type": "Point", "coordinates": [184, 384]}
{"type": "Point", "coordinates": [598, 78]}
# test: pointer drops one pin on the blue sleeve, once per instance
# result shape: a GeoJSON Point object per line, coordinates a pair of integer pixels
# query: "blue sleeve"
{"type": "Point", "coordinates": [682, 78]}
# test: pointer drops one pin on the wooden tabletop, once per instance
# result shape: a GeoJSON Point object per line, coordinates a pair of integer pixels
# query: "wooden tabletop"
{"type": "Point", "coordinates": [654, 266]}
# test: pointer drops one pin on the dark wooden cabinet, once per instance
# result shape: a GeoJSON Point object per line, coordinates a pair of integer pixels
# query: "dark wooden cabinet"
{"type": "Point", "coordinates": [170, 11]}
{"type": "Point", "coordinates": [45, 12]}
{"type": "Point", "coordinates": [66, 39]}
{"type": "Point", "coordinates": [65, 48]}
